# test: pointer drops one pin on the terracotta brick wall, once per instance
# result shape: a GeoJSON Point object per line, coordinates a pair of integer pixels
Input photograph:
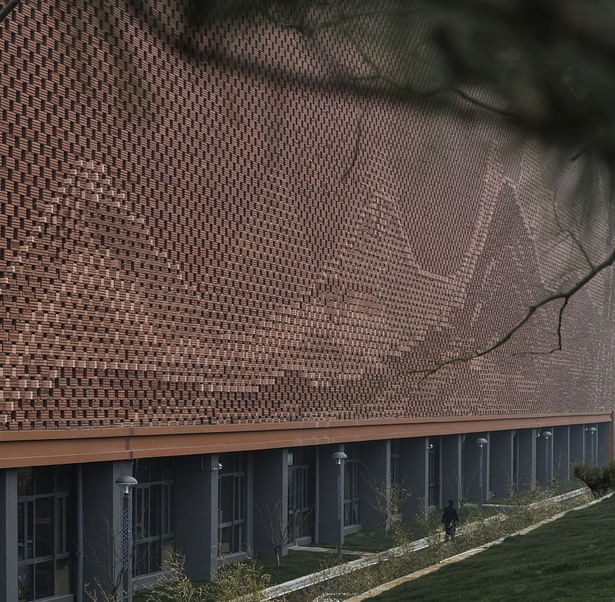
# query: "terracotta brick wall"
{"type": "Point", "coordinates": [188, 241]}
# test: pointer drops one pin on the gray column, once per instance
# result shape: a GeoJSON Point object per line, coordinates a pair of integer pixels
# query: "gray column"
{"type": "Point", "coordinates": [527, 459]}
{"type": "Point", "coordinates": [603, 437]}
{"type": "Point", "coordinates": [316, 481]}
{"type": "Point", "coordinates": [413, 472]}
{"type": "Point", "coordinates": [501, 463]}
{"type": "Point", "coordinates": [590, 444]}
{"type": "Point", "coordinates": [471, 464]}
{"type": "Point", "coordinates": [577, 444]}
{"type": "Point", "coordinates": [592, 441]}
{"type": "Point", "coordinates": [544, 456]}
{"type": "Point", "coordinates": [561, 453]}
{"type": "Point", "coordinates": [452, 485]}
{"type": "Point", "coordinates": [102, 519]}
{"type": "Point", "coordinates": [270, 500]}
{"type": "Point", "coordinates": [196, 503]}
{"type": "Point", "coordinates": [327, 492]}
{"type": "Point", "coordinates": [8, 535]}
{"type": "Point", "coordinates": [375, 474]}
{"type": "Point", "coordinates": [436, 441]}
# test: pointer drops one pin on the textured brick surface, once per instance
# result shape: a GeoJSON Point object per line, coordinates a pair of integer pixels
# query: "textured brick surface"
{"type": "Point", "coordinates": [188, 243]}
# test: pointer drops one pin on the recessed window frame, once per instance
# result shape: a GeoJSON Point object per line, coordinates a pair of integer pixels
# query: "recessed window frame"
{"type": "Point", "coordinates": [153, 536]}
{"type": "Point", "coordinates": [57, 551]}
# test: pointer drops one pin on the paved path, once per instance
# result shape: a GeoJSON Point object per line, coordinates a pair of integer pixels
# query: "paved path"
{"type": "Point", "coordinates": [330, 550]}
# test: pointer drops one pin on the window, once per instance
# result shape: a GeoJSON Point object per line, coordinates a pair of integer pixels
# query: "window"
{"type": "Point", "coordinates": [153, 512]}
{"type": "Point", "coordinates": [44, 532]}
{"type": "Point", "coordinates": [300, 492]}
{"type": "Point", "coordinates": [351, 485]}
{"type": "Point", "coordinates": [232, 492]}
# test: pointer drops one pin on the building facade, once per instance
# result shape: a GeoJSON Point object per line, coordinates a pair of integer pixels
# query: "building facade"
{"type": "Point", "coordinates": [220, 265]}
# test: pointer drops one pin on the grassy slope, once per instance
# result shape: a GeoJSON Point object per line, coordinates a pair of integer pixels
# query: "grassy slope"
{"type": "Point", "coordinates": [569, 559]}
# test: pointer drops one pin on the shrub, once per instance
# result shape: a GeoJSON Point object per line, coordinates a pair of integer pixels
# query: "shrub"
{"type": "Point", "coordinates": [599, 479]}
{"type": "Point", "coordinates": [241, 580]}
{"type": "Point", "coordinates": [175, 586]}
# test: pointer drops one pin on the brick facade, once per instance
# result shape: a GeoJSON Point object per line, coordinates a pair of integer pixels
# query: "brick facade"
{"type": "Point", "coordinates": [186, 242]}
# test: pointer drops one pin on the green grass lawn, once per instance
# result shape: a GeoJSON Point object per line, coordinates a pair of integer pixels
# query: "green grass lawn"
{"type": "Point", "coordinates": [569, 559]}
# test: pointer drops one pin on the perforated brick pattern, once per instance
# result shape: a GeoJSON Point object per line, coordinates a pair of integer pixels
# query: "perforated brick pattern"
{"type": "Point", "coordinates": [185, 241]}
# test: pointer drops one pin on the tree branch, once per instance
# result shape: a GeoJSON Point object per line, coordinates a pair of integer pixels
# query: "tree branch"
{"type": "Point", "coordinates": [407, 90]}
{"type": "Point", "coordinates": [564, 295]}
{"type": "Point", "coordinates": [572, 236]}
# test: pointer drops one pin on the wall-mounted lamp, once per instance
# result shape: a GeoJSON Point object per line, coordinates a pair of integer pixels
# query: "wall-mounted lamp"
{"type": "Point", "coordinates": [126, 483]}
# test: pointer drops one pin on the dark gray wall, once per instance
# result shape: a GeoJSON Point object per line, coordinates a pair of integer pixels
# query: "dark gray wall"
{"type": "Point", "coordinates": [527, 459]}
{"type": "Point", "coordinates": [577, 440]}
{"type": "Point", "coordinates": [544, 457]}
{"type": "Point", "coordinates": [471, 463]}
{"type": "Point", "coordinates": [8, 535]}
{"type": "Point", "coordinates": [196, 524]}
{"type": "Point", "coordinates": [413, 471]}
{"type": "Point", "coordinates": [603, 438]}
{"type": "Point", "coordinates": [102, 520]}
{"type": "Point", "coordinates": [501, 463]}
{"type": "Point", "coordinates": [451, 469]}
{"type": "Point", "coordinates": [561, 453]}
{"type": "Point", "coordinates": [375, 475]}
{"type": "Point", "coordinates": [270, 498]}
{"type": "Point", "coordinates": [327, 515]}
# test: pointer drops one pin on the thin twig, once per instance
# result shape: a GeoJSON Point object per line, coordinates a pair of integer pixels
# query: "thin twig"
{"type": "Point", "coordinates": [572, 236]}
{"type": "Point", "coordinates": [564, 295]}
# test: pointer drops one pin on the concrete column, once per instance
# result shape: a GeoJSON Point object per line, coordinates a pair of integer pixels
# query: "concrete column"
{"type": "Point", "coordinates": [102, 520]}
{"type": "Point", "coordinates": [452, 485]}
{"type": "Point", "coordinates": [561, 453]}
{"type": "Point", "coordinates": [8, 535]}
{"type": "Point", "coordinates": [196, 525]}
{"type": "Point", "coordinates": [577, 444]}
{"type": "Point", "coordinates": [270, 500]}
{"type": "Point", "coordinates": [375, 475]}
{"type": "Point", "coordinates": [327, 491]}
{"type": "Point", "coordinates": [413, 471]}
{"type": "Point", "coordinates": [527, 459]}
{"type": "Point", "coordinates": [501, 463]}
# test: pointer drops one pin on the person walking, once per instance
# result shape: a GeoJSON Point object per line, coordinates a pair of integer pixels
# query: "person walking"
{"type": "Point", "coordinates": [450, 518]}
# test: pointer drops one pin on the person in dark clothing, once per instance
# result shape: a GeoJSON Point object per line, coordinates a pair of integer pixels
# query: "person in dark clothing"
{"type": "Point", "coordinates": [450, 519]}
